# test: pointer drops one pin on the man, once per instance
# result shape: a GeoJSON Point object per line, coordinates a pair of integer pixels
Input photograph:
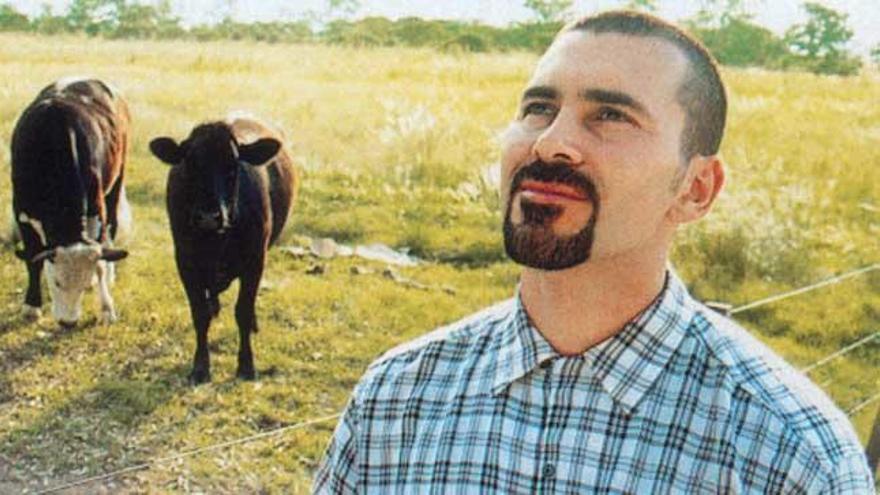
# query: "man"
{"type": "Point", "coordinates": [602, 375]}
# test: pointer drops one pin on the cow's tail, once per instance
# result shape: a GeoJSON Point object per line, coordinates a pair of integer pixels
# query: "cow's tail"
{"type": "Point", "coordinates": [123, 218]}
{"type": "Point", "coordinates": [13, 236]}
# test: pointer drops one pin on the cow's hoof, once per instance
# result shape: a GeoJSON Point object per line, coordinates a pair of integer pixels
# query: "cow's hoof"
{"type": "Point", "coordinates": [31, 312]}
{"type": "Point", "coordinates": [198, 377]}
{"type": "Point", "coordinates": [67, 325]}
{"type": "Point", "coordinates": [108, 317]}
{"type": "Point", "coordinates": [246, 374]}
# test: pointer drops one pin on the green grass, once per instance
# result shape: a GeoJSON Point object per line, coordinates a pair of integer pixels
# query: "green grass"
{"type": "Point", "coordinates": [394, 145]}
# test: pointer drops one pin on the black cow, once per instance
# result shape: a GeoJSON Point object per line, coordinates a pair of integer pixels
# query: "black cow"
{"type": "Point", "coordinates": [230, 191]}
{"type": "Point", "coordinates": [68, 194]}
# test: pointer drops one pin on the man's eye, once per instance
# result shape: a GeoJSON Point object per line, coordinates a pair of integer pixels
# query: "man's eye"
{"type": "Point", "coordinates": [612, 115]}
{"type": "Point", "coordinates": [538, 108]}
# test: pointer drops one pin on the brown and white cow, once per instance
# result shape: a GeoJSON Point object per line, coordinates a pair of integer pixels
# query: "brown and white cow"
{"type": "Point", "coordinates": [229, 193]}
{"type": "Point", "coordinates": [68, 195]}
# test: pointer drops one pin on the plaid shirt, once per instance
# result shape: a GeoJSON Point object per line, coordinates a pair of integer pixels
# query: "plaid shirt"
{"type": "Point", "coordinates": [680, 401]}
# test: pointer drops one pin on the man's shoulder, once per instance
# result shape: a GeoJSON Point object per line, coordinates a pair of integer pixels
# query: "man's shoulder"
{"type": "Point", "coordinates": [442, 348]}
{"type": "Point", "coordinates": [764, 380]}
{"type": "Point", "coordinates": [757, 369]}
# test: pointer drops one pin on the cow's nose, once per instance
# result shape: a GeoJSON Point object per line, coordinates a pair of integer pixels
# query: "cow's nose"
{"type": "Point", "coordinates": [208, 221]}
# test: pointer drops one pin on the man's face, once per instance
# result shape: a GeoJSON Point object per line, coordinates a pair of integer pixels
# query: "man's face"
{"type": "Point", "coordinates": [589, 165]}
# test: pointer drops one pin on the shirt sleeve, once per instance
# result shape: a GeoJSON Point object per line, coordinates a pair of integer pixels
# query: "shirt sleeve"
{"type": "Point", "coordinates": [338, 472]}
{"type": "Point", "coordinates": [852, 476]}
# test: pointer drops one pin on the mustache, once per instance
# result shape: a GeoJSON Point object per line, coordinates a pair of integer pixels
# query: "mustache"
{"type": "Point", "coordinates": [555, 173]}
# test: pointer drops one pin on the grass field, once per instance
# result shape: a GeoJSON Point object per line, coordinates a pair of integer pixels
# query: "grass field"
{"type": "Point", "coordinates": [396, 147]}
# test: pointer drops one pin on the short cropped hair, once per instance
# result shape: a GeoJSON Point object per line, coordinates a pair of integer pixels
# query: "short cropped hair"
{"type": "Point", "coordinates": [701, 94]}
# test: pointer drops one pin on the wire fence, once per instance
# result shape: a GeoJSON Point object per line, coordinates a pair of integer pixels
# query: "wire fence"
{"type": "Point", "coordinates": [188, 453]}
{"type": "Point", "coordinates": [840, 353]}
{"type": "Point", "coordinates": [278, 431]}
{"type": "Point", "coordinates": [865, 403]}
{"type": "Point", "coordinates": [796, 292]}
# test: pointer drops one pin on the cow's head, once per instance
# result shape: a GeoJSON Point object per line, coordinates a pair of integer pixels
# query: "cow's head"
{"type": "Point", "coordinates": [70, 270]}
{"type": "Point", "coordinates": [212, 158]}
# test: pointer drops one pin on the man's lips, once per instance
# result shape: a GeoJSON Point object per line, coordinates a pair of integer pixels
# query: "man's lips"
{"type": "Point", "coordinates": [550, 191]}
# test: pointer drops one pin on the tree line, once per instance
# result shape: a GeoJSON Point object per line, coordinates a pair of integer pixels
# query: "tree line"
{"type": "Point", "coordinates": [725, 27]}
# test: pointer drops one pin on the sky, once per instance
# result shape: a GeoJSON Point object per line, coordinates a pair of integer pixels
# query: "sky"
{"type": "Point", "coordinates": [777, 15]}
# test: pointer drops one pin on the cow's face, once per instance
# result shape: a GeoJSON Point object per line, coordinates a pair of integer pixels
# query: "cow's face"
{"type": "Point", "coordinates": [212, 159]}
{"type": "Point", "coordinates": [69, 272]}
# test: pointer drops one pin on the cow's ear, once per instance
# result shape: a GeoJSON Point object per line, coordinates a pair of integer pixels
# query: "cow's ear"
{"type": "Point", "coordinates": [108, 254]}
{"type": "Point", "coordinates": [167, 150]}
{"type": "Point", "coordinates": [259, 152]}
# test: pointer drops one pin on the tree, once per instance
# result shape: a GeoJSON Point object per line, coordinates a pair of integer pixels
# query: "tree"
{"type": "Point", "coordinates": [49, 23]}
{"type": "Point", "coordinates": [875, 54]}
{"type": "Point", "coordinates": [720, 13]}
{"type": "Point", "coordinates": [135, 20]}
{"type": "Point", "coordinates": [534, 37]}
{"type": "Point", "coordinates": [90, 16]}
{"type": "Point", "coordinates": [167, 24]}
{"type": "Point", "coordinates": [824, 33]}
{"type": "Point", "coordinates": [12, 20]}
{"type": "Point", "coordinates": [821, 41]}
{"type": "Point", "coordinates": [548, 10]}
{"type": "Point", "coordinates": [744, 44]}
{"type": "Point", "coordinates": [643, 5]}
{"type": "Point", "coordinates": [344, 7]}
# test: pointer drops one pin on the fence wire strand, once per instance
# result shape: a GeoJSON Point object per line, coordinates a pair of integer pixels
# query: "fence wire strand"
{"type": "Point", "coordinates": [785, 295]}
{"type": "Point", "coordinates": [188, 453]}
{"type": "Point", "coordinates": [865, 403]}
{"type": "Point", "coordinates": [840, 352]}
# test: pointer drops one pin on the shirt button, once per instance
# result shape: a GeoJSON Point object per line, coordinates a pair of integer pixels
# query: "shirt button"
{"type": "Point", "coordinates": [549, 470]}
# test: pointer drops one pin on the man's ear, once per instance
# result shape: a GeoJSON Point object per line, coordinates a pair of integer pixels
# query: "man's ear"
{"type": "Point", "coordinates": [166, 149]}
{"type": "Point", "coordinates": [702, 182]}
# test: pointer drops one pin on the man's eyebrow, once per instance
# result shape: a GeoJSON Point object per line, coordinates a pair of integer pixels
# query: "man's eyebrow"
{"type": "Point", "coordinates": [614, 98]}
{"type": "Point", "coordinates": [544, 92]}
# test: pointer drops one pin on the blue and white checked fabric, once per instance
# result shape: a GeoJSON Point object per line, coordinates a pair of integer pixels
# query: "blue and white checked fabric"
{"type": "Point", "coordinates": [680, 401]}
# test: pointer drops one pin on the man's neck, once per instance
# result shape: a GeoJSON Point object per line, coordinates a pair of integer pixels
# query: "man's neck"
{"type": "Point", "coordinates": [577, 308]}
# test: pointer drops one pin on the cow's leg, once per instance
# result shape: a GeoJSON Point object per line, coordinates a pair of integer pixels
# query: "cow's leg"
{"type": "Point", "coordinates": [112, 204]}
{"type": "Point", "coordinates": [213, 305]}
{"type": "Point", "coordinates": [108, 311]}
{"type": "Point", "coordinates": [246, 317]}
{"type": "Point", "coordinates": [201, 315]}
{"type": "Point", "coordinates": [33, 298]}
{"type": "Point", "coordinates": [33, 244]}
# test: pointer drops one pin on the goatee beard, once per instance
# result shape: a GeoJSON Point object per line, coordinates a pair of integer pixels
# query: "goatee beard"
{"type": "Point", "coordinates": [533, 242]}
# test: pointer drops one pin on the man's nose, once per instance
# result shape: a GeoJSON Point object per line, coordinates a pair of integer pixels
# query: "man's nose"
{"type": "Point", "coordinates": [557, 142]}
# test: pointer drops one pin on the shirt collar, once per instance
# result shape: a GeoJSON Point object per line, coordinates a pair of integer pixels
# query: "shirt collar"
{"type": "Point", "coordinates": [522, 349]}
{"type": "Point", "coordinates": [626, 365]}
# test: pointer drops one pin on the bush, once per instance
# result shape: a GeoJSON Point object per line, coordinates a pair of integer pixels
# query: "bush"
{"type": "Point", "coordinates": [740, 43]}
{"type": "Point", "coordinates": [468, 43]}
{"type": "Point", "coordinates": [12, 20]}
{"type": "Point", "coordinates": [533, 37]}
